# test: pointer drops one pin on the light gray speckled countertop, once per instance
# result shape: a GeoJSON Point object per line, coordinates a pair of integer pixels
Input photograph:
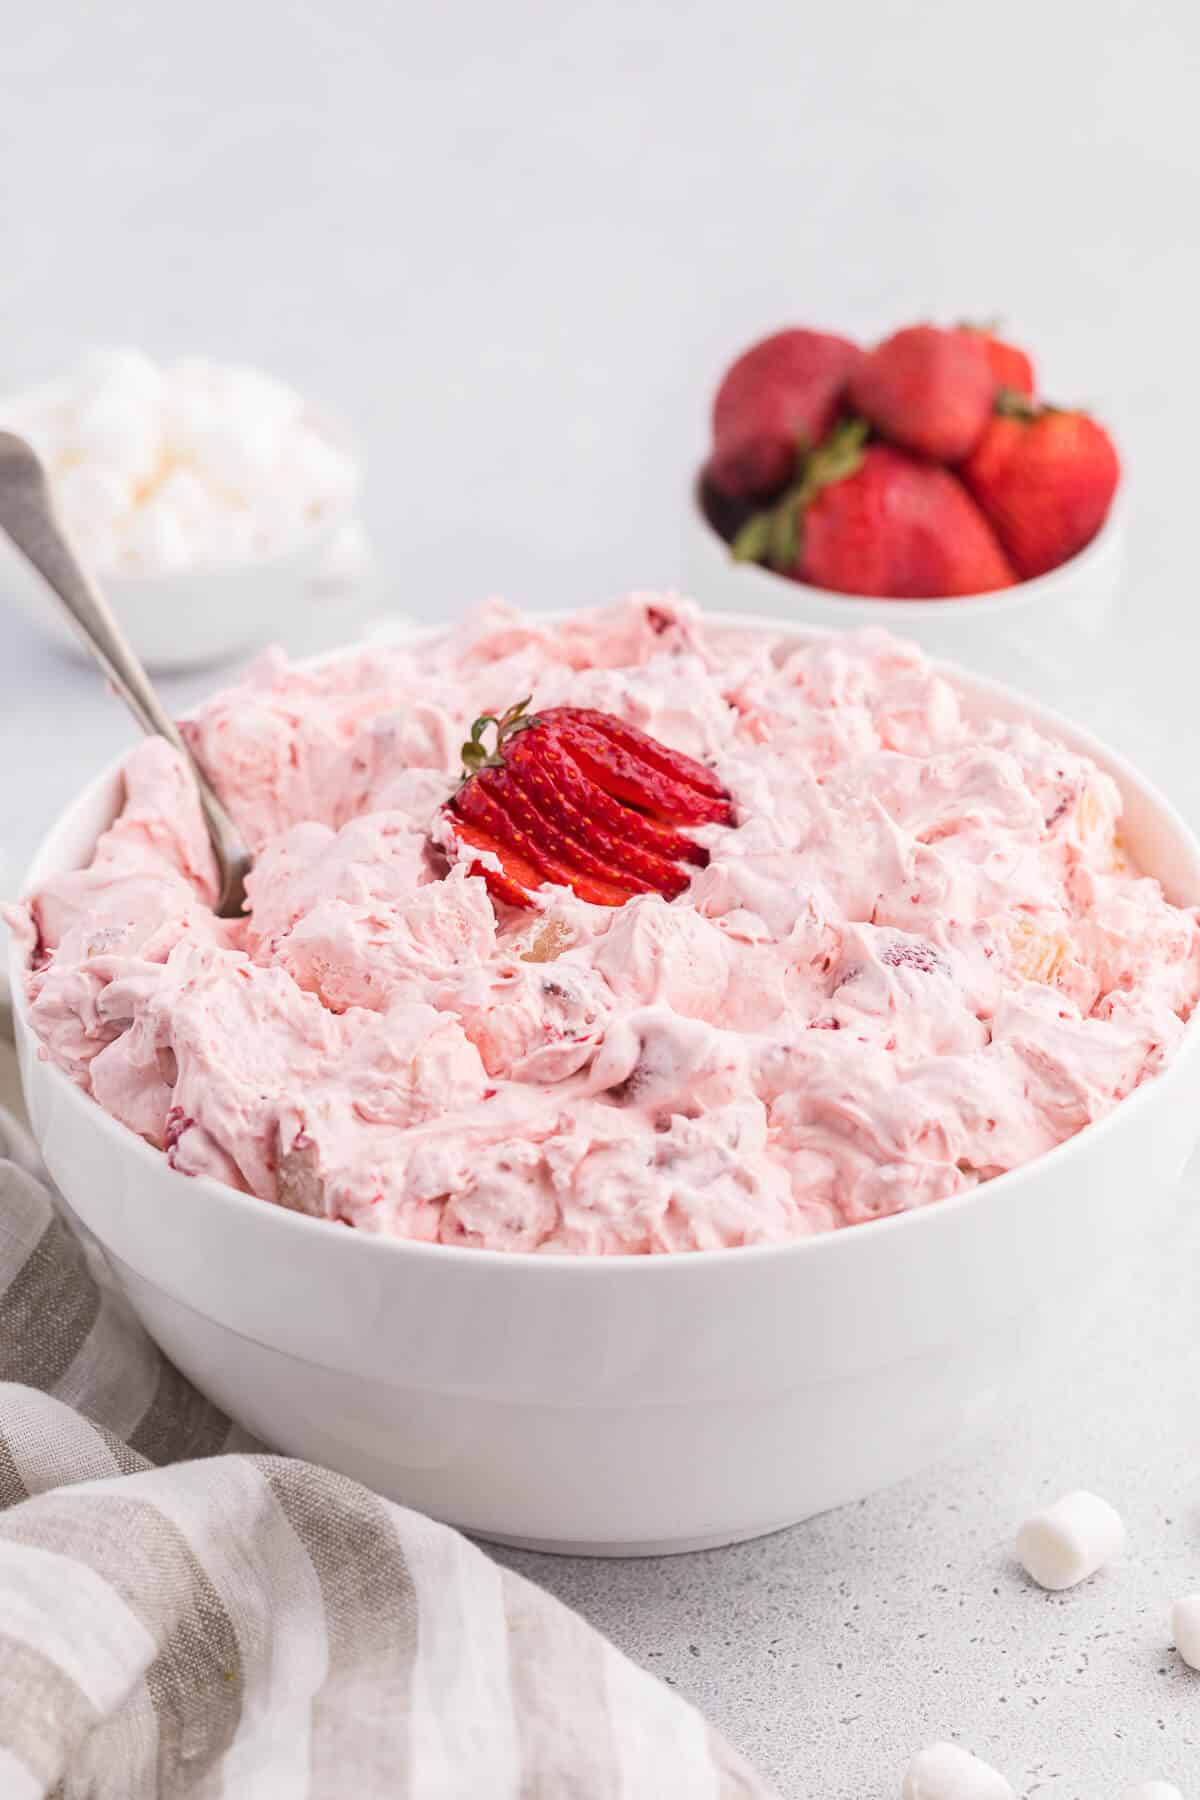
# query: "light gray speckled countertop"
{"type": "Point", "coordinates": [831, 1651]}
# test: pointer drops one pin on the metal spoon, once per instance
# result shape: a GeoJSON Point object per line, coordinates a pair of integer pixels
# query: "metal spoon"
{"type": "Point", "coordinates": [28, 517]}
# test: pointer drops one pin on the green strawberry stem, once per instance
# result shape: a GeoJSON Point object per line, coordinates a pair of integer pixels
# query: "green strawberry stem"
{"type": "Point", "coordinates": [475, 753]}
{"type": "Point", "coordinates": [1013, 405]}
{"type": "Point", "coordinates": [774, 537]}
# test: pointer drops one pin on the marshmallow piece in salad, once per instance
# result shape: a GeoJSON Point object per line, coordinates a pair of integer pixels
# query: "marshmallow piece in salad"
{"type": "Point", "coordinates": [190, 464]}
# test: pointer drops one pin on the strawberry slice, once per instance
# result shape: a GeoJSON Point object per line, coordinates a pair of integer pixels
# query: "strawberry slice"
{"type": "Point", "coordinates": [496, 800]}
{"type": "Point", "coordinates": [628, 776]}
{"type": "Point", "coordinates": [581, 806]}
{"type": "Point", "coordinates": [581, 799]}
{"type": "Point", "coordinates": [681, 768]}
{"type": "Point", "coordinates": [474, 802]}
{"type": "Point", "coordinates": [594, 852]}
{"type": "Point", "coordinates": [519, 877]}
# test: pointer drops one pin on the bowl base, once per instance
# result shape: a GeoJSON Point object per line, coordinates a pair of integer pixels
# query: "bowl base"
{"type": "Point", "coordinates": [717, 1540]}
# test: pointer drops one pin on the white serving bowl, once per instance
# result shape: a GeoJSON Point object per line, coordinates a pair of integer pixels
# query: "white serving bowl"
{"type": "Point", "coordinates": [1013, 634]}
{"type": "Point", "coordinates": [190, 618]}
{"type": "Point", "coordinates": [626, 1404]}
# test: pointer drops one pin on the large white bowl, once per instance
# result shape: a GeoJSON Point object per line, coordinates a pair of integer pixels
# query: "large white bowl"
{"type": "Point", "coordinates": [1014, 634]}
{"type": "Point", "coordinates": [626, 1404]}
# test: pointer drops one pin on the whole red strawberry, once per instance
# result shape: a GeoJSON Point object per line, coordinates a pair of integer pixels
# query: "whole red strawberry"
{"type": "Point", "coordinates": [1011, 368]}
{"type": "Point", "coordinates": [927, 390]}
{"type": "Point", "coordinates": [579, 798]}
{"type": "Point", "coordinates": [1045, 479]}
{"type": "Point", "coordinates": [869, 519]}
{"type": "Point", "coordinates": [775, 402]}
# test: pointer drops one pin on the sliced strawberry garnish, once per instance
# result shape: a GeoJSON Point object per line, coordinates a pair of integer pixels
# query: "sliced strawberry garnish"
{"type": "Point", "coordinates": [583, 800]}
{"type": "Point", "coordinates": [630, 777]}
{"type": "Point", "coordinates": [493, 795]}
{"type": "Point", "coordinates": [475, 803]}
{"type": "Point", "coordinates": [580, 804]}
{"type": "Point", "coordinates": [519, 877]}
{"type": "Point", "coordinates": [640, 744]}
{"type": "Point", "coordinates": [596, 852]}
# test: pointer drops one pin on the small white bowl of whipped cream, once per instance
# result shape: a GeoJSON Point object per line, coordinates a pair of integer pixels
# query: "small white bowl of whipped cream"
{"type": "Point", "coordinates": [208, 499]}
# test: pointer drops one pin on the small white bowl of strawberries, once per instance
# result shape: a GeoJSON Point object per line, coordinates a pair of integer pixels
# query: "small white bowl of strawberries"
{"type": "Point", "coordinates": [923, 485]}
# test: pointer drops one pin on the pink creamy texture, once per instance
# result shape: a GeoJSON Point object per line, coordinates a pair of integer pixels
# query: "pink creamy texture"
{"type": "Point", "coordinates": [917, 960]}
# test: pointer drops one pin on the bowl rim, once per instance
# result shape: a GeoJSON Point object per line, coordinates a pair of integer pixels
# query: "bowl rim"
{"type": "Point", "coordinates": [828, 1243]}
{"type": "Point", "coordinates": [862, 608]}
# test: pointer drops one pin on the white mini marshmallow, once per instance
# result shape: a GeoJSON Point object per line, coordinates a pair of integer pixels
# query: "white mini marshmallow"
{"type": "Point", "coordinates": [190, 404]}
{"type": "Point", "coordinates": [92, 499]}
{"type": "Point", "coordinates": [117, 423]}
{"type": "Point", "coordinates": [100, 547]}
{"type": "Point", "coordinates": [1151, 1790]}
{"type": "Point", "coordinates": [117, 433]}
{"type": "Point", "coordinates": [237, 452]}
{"type": "Point", "coordinates": [1070, 1540]}
{"type": "Point", "coordinates": [1185, 1629]}
{"type": "Point", "coordinates": [946, 1772]}
{"type": "Point", "coordinates": [311, 464]}
{"type": "Point", "coordinates": [155, 539]}
{"type": "Point", "coordinates": [182, 490]}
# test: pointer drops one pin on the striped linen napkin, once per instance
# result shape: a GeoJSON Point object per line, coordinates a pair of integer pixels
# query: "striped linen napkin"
{"type": "Point", "coordinates": [181, 1614]}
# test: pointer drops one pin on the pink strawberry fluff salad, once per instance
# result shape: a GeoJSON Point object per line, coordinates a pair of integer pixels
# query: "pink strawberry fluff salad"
{"type": "Point", "coordinates": [917, 959]}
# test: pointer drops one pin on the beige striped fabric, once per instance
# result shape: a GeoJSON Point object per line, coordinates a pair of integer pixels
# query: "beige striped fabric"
{"type": "Point", "coordinates": [182, 1614]}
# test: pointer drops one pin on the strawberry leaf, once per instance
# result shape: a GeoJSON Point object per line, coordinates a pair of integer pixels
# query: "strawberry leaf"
{"type": "Point", "coordinates": [475, 753]}
{"type": "Point", "coordinates": [1010, 404]}
{"type": "Point", "coordinates": [839, 456]}
{"type": "Point", "coordinates": [753, 540]}
{"type": "Point", "coordinates": [774, 537]}
{"type": "Point", "coordinates": [783, 548]}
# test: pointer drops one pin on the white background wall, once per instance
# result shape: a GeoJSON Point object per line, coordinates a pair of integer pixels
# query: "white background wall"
{"type": "Point", "coordinates": [512, 243]}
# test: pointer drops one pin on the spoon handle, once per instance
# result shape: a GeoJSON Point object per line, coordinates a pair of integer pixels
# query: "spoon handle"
{"type": "Point", "coordinates": [27, 516]}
